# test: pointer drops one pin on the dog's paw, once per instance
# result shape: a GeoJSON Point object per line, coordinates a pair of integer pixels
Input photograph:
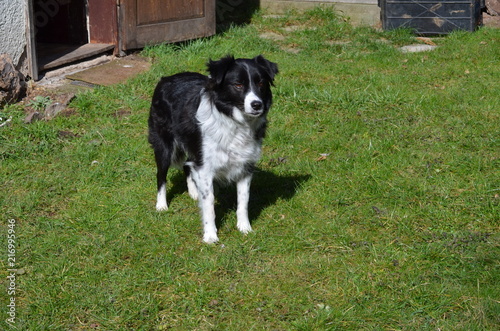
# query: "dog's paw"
{"type": "Point", "coordinates": [244, 227]}
{"type": "Point", "coordinates": [210, 238]}
{"type": "Point", "coordinates": [161, 207]}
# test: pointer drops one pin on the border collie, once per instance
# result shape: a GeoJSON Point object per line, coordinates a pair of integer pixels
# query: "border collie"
{"type": "Point", "coordinates": [212, 128]}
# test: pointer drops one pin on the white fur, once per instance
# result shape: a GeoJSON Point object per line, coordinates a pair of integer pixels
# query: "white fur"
{"type": "Point", "coordinates": [161, 200]}
{"type": "Point", "coordinates": [228, 147]}
{"type": "Point", "coordinates": [249, 98]}
{"type": "Point", "coordinates": [192, 190]}
{"type": "Point", "coordinates": [243, 189]}
{"type": "Point", "coordinates": [228, 144]}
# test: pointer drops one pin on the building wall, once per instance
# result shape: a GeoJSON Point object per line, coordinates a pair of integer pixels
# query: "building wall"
{"type": "Point", "coordinates": [360, 12]}
{"type": "Point", "coordinates": [13, 29]}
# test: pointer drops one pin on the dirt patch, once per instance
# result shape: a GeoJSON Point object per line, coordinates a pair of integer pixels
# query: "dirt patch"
{"type": "Point", "coordinates": [113, 72]}
{"type": "Point", "coordinates": [45, 104]}
{"type": "Point", "coordinates": [52, 95]}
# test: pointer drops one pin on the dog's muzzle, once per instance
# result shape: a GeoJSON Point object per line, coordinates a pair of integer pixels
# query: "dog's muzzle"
{"type": "Point", "coordinates": [256, 108]}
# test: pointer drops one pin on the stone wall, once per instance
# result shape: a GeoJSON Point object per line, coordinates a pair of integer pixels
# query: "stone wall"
{"type": "Point", "coordinates": [13, 31]}
{"type": "Point", "coordinates": [360, 12]}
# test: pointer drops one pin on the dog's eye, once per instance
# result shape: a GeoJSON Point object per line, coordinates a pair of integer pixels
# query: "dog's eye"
{"type": "Point", "coordinates": [238, 86]}
{"type": "Point", "coordinates": [260, 84]}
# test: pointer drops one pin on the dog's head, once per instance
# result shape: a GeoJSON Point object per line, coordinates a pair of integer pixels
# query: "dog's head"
{"type": "Point", "coordinates": [242, 84]}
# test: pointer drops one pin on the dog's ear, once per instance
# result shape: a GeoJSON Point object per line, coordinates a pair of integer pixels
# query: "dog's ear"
{"type": "Point", "coordinates": [218, 69]}
{"type": "Point", "coordinates": [270, 68]}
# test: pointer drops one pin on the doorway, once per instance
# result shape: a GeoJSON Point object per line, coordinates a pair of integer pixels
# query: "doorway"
{"type": "Point", "coordinates": [61, 31]}
{"type": "Point", "coordinates": [65, 31]}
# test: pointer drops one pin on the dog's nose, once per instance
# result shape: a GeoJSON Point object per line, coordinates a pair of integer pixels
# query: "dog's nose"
{"type": "Point", "coordinates": [256, 105]}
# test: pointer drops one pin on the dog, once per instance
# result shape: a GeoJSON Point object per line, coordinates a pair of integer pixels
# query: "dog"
{"type": "Point", "coordinates": [212, 127]}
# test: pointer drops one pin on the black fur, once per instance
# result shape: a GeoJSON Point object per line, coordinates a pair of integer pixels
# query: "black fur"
{"type": "Point", "coordinates": [172, 121]}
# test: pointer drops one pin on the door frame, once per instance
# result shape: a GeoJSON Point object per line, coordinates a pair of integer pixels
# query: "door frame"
{"type": "Point", "coordinates": [31, 41]}
{"type": "Point", "coordinates": [102, 28]}
{"type": "Point", "coordinates": [121, 29]}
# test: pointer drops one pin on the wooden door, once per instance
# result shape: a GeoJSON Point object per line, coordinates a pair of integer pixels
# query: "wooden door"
{"type": "Point", "coordinates": [148, 22]}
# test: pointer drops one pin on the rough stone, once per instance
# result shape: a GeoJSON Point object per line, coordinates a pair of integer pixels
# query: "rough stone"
{"type": "Point", "coordinates": [58, 104]}
{"type": "Point", "coordinates": [12, 82]}
{"type": "Point", "coordinates": [33, 117]}
{"type": "Point", "coordinates": [417, 48]}
{"type": "Point", "coordinates": [272, 36]}
{"type": "Point", "coordinates": [493, 7]}
{"type": "Point", "coordinates": [55, 108]}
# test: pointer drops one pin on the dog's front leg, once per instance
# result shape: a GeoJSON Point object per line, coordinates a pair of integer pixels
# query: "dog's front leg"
{"type": "Point", "coordinates": [243, 188]}
{"type": "Point", "coordinates": [206, 199]}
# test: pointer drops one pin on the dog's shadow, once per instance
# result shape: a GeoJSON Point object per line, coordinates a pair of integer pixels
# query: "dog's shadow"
{"type": "Point", "coordinates": [266, 189]}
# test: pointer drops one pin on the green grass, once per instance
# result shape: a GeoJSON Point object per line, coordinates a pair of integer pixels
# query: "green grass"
{"type": "Point", "coordinates": [375, 205]}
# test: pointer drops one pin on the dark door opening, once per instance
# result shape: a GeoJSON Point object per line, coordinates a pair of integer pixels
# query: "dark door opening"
{"type": "Point", "coordinates": [62, 33]}
{"type": "Point", "coordinates": [65, 31]}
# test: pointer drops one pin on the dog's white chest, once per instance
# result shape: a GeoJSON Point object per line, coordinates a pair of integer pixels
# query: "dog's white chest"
{"type": "Point", "coordinates": [229, 146]}
{"type": "Point", "coordinates": [240, 150]}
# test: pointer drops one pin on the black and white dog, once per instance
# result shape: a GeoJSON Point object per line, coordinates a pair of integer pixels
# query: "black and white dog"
{"type": "Point", "coordinates": [213, 128]}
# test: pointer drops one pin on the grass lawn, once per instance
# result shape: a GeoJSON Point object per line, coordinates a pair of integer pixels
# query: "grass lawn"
{"type": "Point", "coordinates": [375, 205]}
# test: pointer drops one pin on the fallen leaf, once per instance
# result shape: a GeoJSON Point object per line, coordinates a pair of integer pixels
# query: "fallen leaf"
{"type": "Point", "coordinates": [377, 210]}
{"type": "Point", "coordinates": [322, 157]}
{"type": "Point", "coordinates": [277, 161]}
{"type": "Point", "coordinates": [213, 303]}
{"type": "Point", "coordinates": [426, 40]}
